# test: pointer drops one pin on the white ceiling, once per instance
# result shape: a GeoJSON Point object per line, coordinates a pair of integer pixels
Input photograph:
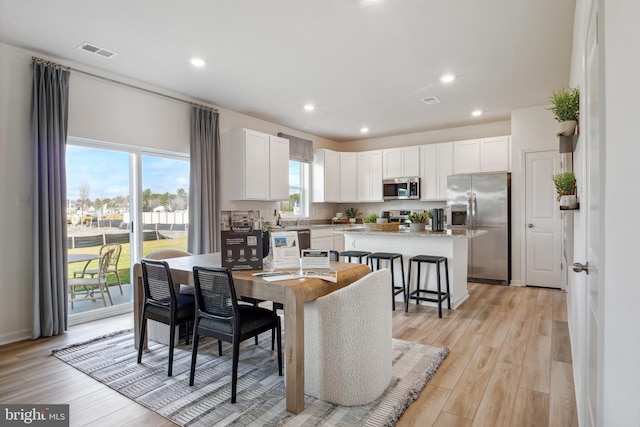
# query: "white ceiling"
{"type": "Point", "coordinates": [360, 62]}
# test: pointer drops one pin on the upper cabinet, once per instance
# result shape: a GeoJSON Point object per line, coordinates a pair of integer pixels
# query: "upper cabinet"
{"type": "Point", "coordinates": [401, 162]}
{"type": "Point", "coordinates": [325, 186]}
{"type": "Point", "coordinates": [348, 177]}
{"type": "Point", "coordinates": [259, 165]}
{"type": "Point", "coordinates": [495, 154]}
{"type": "Point", "coordinates": [482, 155]}
{"type": "Point", "coordinates": [436, 164]}
{"type": "Point", "coordinates": [466, 156]}
{"type": "Point", "coordinates": [370, 176]}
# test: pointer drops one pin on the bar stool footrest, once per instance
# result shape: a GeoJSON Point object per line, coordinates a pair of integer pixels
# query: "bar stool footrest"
{"type": "Point", "coordinates": [415, 295]}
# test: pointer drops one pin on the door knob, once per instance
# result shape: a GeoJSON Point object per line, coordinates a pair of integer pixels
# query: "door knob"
{"type": "Point", "coordinates": [579, 268]}
{"type": "Point", "coordinates": [530, 225]}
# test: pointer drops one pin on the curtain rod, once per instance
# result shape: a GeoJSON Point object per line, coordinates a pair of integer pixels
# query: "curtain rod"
{"type": "Point", "coordinates": [184, 101]}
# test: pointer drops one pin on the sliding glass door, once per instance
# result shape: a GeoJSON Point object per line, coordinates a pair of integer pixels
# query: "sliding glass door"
{"type": "Point", "coordinates": [123, 198]}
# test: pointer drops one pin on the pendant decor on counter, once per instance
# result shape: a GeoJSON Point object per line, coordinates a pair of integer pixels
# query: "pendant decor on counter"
{"type": "Point", "coordinates": [437, 219]}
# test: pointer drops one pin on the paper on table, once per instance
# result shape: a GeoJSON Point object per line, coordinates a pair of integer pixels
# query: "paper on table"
{"type": "Point", "coordinates": [328, 275]}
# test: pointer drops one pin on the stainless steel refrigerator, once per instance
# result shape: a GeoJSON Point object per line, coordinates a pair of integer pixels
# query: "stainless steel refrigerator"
{"type": "Point", "coordinates": [487, 199]}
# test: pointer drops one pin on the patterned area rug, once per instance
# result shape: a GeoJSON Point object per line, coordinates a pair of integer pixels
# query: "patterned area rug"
{"type": "Point", "coordinates": [260, 397]}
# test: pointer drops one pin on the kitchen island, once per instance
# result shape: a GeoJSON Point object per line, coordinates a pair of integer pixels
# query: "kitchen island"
{"type": "Point", "coordinates": [449, 243]}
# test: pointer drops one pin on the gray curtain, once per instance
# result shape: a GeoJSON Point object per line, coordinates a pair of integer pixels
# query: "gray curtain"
{"type": "Point", "coordinates": [204, 181]}
{"type": "Point", "coordinates": [49, 112]}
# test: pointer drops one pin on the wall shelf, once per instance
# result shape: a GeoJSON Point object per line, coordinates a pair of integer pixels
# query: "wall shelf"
{"type": "Point", "coordinates": [566, 208]}
{"type": "Point", "coordinates": [568, 143]}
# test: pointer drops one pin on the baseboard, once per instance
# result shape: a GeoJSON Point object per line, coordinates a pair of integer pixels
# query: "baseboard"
{"type": "Point", "coordinates": [9, 338]}
{"type": "Point", "coordinates": [515, 283]}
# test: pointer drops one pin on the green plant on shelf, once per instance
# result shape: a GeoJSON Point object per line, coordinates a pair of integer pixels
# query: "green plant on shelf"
{"type": "Point", "coordinates": [564, 183]}
{"type": "Point", "coordinates": [566, 104]}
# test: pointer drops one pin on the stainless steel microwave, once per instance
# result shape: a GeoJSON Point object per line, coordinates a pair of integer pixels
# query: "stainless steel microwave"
{"type": "Point", "coordinates": [401, 188]}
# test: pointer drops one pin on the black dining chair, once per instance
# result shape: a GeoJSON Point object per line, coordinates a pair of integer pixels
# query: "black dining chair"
{"type": "Point", "coordinates": [219, 316]}
{"type": "Point", "coordinates": [163, 304]}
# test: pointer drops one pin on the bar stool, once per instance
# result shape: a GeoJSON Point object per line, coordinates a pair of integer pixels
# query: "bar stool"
{"type": "Point", "coordinates": [355, 254]}
{"type": "Point", "coordinates": [390, 256]}
{"type": "Point", "coordinates": [439, 296]}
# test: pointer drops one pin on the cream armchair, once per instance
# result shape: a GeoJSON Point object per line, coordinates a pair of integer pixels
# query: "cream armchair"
{"type": "Point", "coordinates": [348, 344]}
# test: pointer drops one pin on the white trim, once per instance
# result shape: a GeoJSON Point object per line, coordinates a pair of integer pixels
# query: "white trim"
{"type": "Point", "coordinates": [12, 337]}
{"type": "Point", "coordinates": [91, 315]}
{"type": "Point", "coordinates": [523, 222]}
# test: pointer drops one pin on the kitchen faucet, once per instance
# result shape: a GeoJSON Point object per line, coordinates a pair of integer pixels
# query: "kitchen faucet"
{"type": "Point", "coordinates": [300, 219]}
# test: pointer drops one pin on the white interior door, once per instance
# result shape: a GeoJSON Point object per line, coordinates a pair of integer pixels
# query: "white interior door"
{"type": "Point", "coordinates": [593, 207]}
{"type": "Point", "coordinates": [543, 235]}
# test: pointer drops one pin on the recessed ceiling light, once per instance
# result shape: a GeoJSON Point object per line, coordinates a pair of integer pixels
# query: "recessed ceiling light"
{"type": "Point", "coordinates": [364, 130]}
{"type": "Point", "coordinates": [309, 107]}
{"type": "Point", "coordinates": [197, 62]}
{"type": "Point", "coordinates": [447, 78]}
{"type": "Point", "coordinates": [476, 113]}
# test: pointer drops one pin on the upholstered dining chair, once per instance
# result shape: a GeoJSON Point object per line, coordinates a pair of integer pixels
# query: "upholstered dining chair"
{"type": "Point", "coordinates": [219, 316]}
{"type": "Point", "coordinates": [163, 304]}
{"type": "Point", "coordinates": [87, 288]}
{"type": "Point", "coordinates": [348, 342]}
{"type": "Point", "coordinates": [111, 268]}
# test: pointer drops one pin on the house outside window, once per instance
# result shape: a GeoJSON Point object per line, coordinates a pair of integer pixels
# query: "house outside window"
{"type": "Point", "coordinates": [298, 204]}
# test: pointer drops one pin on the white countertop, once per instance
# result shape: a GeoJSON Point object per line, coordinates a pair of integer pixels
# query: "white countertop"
{"type": "Point", "coordinates": [460, 234]}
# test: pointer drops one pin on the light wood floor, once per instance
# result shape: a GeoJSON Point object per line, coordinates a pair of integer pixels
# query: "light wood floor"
{"type": "Point", "coordinates": [509, 365]}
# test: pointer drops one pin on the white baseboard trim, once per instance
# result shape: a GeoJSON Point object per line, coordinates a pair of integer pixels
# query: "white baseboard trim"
{"type": "Point", "coordinates": [516, 283]}
{"type": "Point", "coordinates": [11, 337]}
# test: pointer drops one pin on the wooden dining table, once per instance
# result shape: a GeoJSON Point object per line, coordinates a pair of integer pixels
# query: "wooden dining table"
{"type": "Point", "coordinates": [293, 293]}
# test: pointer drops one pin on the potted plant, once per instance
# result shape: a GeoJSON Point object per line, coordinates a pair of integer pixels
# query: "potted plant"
{"type": "Point", "coordinates": [565, 184]}
{"type": "Point", "coordinates": [371, 219]}
{"type": "Point", "coordinates": [351, 214]}
{"type": "Point", "coordinates": [418, 220]}
{"type": "Point", "coordinates": [566, 109]}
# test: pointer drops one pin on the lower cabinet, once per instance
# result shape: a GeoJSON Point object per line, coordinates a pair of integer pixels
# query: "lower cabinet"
{"type": "Point", "coordinates": [322, 238]}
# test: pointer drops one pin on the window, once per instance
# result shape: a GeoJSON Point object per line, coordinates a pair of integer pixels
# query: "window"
{"type": "Point", "coordinates": [298, 203]}
{"type": "Point", "coordinates": [105, 193]}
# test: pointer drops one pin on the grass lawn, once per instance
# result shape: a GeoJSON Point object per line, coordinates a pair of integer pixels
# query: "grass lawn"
{"type": "Point", "coordinates": [124, 263]}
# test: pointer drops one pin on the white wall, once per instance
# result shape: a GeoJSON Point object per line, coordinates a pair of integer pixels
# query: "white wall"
{"type": "Point", "coordinates": [429, 137]}
{"type": "Point", "coordinates": [619, 352]}
{"type": "Point", "coordinates": [532, 129]}
{"type": "Point", "coordinates": [621, 345]}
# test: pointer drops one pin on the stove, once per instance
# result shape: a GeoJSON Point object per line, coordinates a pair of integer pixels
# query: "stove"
{"type": "Point", "coordinates": [401, 217]}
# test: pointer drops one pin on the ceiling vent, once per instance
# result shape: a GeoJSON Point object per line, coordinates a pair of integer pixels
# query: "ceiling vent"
{"type": "Point", "coordinates": [92, 48]}
{"type": "Point", "coordinates": [431, 100]}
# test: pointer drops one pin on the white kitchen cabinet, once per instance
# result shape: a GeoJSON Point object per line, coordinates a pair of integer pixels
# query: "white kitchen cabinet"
{"type": "Point", "coordinates": [322, 238]}
{"type": "Point", "coordinates": [325, 173]}
{"type": "Point", "coordinates": [466, 155]}
{"type": "Point", "coordinates": [348, 177]}
{"type": "Point", "coordinates": [370, 176]}
{"type": "Point", "coordinates": [429, 176]}
{"type": "Point", "coordinates": [278, 168]}
{"type": "Point", "coordinates": [259, 165]}
{"type": "Point", "coordinates": [338, 242]}
{"type": "Point", "coordinates": [444, 154]}
{"type": "Point", "coordinates": [436, 165]}
{"type": "Point", "coordinates": [495, 154]}
{"type": "Point", "coordinates": [482, 155]}
{"type": "Point", "coordinates": [401, 162]}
